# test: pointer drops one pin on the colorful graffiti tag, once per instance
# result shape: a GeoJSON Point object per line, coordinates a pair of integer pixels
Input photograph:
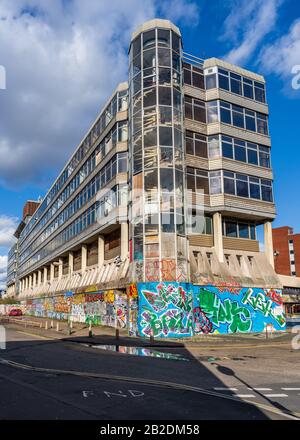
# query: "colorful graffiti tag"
{"type": "Point", "coordinates": [101, 308]}
{"type": "Point", "coordinates": [182, 309]}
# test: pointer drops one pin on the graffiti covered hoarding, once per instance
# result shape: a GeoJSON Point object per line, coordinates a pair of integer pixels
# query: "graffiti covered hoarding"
{"type": "Point", "coordinates": [183, 309]}
{"type": "Point", "coordinates": [101, 308]}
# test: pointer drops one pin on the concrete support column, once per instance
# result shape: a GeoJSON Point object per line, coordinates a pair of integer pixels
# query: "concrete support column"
{"type": "Point", "coordinates": [60, 269]}
{"type": "Point", "coordinates": [100, 251]}
{"type": "Point", "coordinates": [45, 275]}
{"type": "Point", "coordinates": [39, 277]}
{"type": "Point", "coordinates": [30, 282]}
{"type": "Point", "coordinates": [34, 280]}
{"type": "Point", "coordinates": [269, 250]}
{"type": "Point", "coordinates": [83, 258]}
{"type": "Point", "coordinates": [71, 263]}
{"type": "Point", "coordinates": [218, 236]}
{"type": "Point", "coordinates": [51, 272]}
{"type": "Point", "coordinates": [26, 283]}
{"type": "Point", "coordinates": [124, 241]}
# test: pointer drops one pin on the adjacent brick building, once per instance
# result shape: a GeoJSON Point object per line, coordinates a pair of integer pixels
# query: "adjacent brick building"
{"type": "Point", "coordinates": [287, 251]}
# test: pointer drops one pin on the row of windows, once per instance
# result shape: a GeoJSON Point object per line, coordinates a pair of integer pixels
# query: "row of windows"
{"type": "Point", "coordinates": [227, 147]}
{"type": "Point", "coordinates": [116, 197]}
{"type": "Point", "coordinates": [152, 77]}
{"type": "Point", "coordinates": [238, 229]}
{"type": "Point", "coordinates": [88, 218]}
{"type": "Point", "coordinates": [230, 227]}
{"type": "Point", "coordinates": [153, 58]}
{"type": "Point", "coordinates": [237, 84]}
{"type": "Point", "coordinates": [116, 165]}
{"type": "Point", "coordinates": [157, 96]}
{"type": "Point", "coordinates": [159, 37]}
{"type": "Point", "coordinates": [221, 111]}
{"type": "Point", "coordinates": [119, 133]}
{"type": "Point", "coordinates": [118, 103]}
{"type": "Point", "coordinates": [237, 149]}
{"type": "Point", "coordinates": [193, 76]}
{"type": "Point", "coordinates": [218, 182]}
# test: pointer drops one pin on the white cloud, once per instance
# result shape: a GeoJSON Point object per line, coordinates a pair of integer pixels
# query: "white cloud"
{"type": "Point", "coordinates": [3, 267]}
{"type": "Point", "coordinates": [181, 10]}
{"type": "Point", "coordinates": [63, 59]}
{"type": "Point", "coordinates": [246, 26]}
{"type": "Point", "coordinates": [281, 56]}
{"type": "Point", "coordinates": [8, 226]}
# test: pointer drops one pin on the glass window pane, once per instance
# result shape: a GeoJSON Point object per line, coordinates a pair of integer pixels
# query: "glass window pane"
{"type": "Point", "coordinates": [252, 156]}
{"type": "Point", "coordinates": [189, 145]}
{"type": "Point", "coordinates": [237, 118]}
{"type": "Point", "coordinates": [163, 37]}
{"type": "Point", "coordinates": [151, 180]}
{"type": "Point", "coordinates": [248, 91]}
{"type": "Point", "coordinates": [240, 153]}
{"type": "Point", "coordinates": [223, 82]}
{"type": "Point", "coordinates": [166, 179]}
{"type": "Point", "coordinates": [165, 115]}
{"type": "Point", "coordinates": [201, 148]}
{"type": "Point", "coordinates": [164, 57]}
{"type": "Point", "coordinates": [199, 113]}
{"type": "Point", "coordinates": [198, 80]}
{"type": "Point", "coordinates": [229, 187]}
{"type": "Point", "coordinates": [242, 188]}
{"type": "Point", "coordinates": [166, 157]}
{"type": "Point", "coordinates": [175, 42]}
{"type": "Point", "coordinates": [191, 184]}
{"type": "Point", "coordinates": [225, 115]}
{"type": "Point", "coordinates": [236, 86]}
{"type": "Point", "coordinates": [227, 150]}
{"type": "Point", "coordinates": [213, 147]}
{"type": "Point", "coordinates": [230, 229]}
{"type": "Point", "coordinates": [165, 96]}
{"type": "Point", "coordinates": [165, 136]}
{"type": "Point", "coordinates": [164, 76]}
{"type": "Point", "coordinates": [150, 97]}
{"type": "Point", "coordinates": [149, 58]}
{"type": "Point", "coordinates": [150, 137]}
{"type": "Point", "coordinates": [149, 39]}
{"type": "Point", "coordinates": [210, 81]}
{"type": "Point", "coordinates": [136, 46]}
{"type": "Point", "coordinates": [243, 230]}
{"type": "Point", "coordinates": [250, 123]}
{"type": "Point", "coordinates": [187, 76]}
{"type": "Point", "coordinates": [254, 191]}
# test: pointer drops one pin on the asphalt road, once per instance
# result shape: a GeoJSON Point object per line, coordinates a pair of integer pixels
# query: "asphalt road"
{"type": "Point", "coordinates": [71, 381]}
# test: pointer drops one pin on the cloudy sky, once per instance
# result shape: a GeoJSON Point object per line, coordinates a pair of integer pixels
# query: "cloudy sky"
{"type": "Point", "coordinates": [63, 58]}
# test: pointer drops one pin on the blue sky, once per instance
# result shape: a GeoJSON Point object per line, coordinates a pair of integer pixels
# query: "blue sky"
{"type": "Point", "coordinates": [63, 58]}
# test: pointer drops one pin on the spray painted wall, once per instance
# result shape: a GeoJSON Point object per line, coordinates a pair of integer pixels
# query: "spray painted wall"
{"type": "Point", "coordinates": [102, 308]}
{"type": "Point", "coordinates": [183, 309]}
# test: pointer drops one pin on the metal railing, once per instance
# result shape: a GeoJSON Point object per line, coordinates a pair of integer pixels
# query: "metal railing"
{"type": "Point", "coordinates": [192, 59]}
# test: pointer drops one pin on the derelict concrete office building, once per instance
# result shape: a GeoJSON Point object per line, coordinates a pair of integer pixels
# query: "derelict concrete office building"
{"type": "Point", "coordinates": [185, 138]}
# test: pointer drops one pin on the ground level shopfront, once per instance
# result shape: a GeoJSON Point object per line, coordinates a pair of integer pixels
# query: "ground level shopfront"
{"type": "Point", "coordinates": [168, 309]}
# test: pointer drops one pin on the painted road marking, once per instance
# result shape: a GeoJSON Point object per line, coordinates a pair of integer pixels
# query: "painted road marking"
{"type": "Point", "coordinates": [260, 389]}
{"type": "Point", "coordinates": [224, 389]}
{"type": "Point", "coordinates": [291, 389]}
{"type": "Point", "coordinates": [87, 393]}
{"type": "Point", "coordinates": [244, 395]}
{"type": "Point", "coordinates": [276, 395]}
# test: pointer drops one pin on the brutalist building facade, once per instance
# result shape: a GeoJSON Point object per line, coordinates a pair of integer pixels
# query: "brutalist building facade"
{"type": "Point", "coordinates": [151, 226]}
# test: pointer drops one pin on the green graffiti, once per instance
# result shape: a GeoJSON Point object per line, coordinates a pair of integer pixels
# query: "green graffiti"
{"type": "Point", "coordinates": [260, 303]}
{"type": "Point", "coordinates": [230, 312]}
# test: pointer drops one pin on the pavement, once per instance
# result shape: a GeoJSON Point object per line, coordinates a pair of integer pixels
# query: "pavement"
{"type": "Point", "coordinates": [54, 375]}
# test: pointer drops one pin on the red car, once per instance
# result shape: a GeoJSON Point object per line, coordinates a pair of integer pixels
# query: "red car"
{"type": "Point", "coordinates": [15, 312]}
